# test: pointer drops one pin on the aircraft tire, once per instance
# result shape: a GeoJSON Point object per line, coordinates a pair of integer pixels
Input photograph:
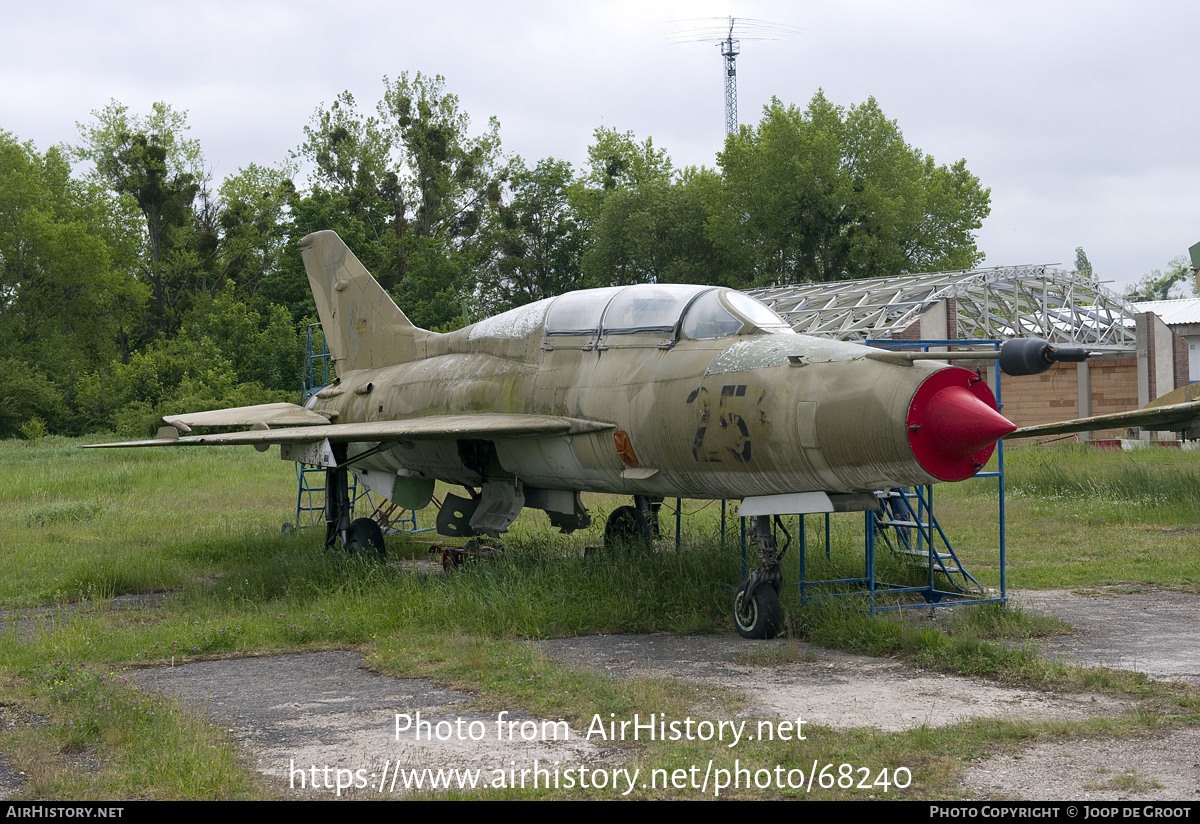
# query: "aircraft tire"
{"type": "Point", "coordinates": [765, 617]}
{"type": "Point", "coordinates": [368, 536]}
{"type": "Point", "coordinates": [627, 527]}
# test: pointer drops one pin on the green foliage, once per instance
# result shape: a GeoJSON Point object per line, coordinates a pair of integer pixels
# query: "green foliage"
{"type": "Point", "coordinates": [539, 239]}
{"type": "Point", "coordinates": [148, 161]}
{"type": "Point", "coordinates": [226, 354]}
{"type": "Point", "coordinates": [654, 233]}
{"type": "Point", "coordinates": [66, 289]}
{"type": "Point", "coordinates": [253, 224]}
{"type": "Point", "coordinates": [34, 429]}
{"type": "Point", "coordinates": [447, 177]}
{"type": "Point", "coordinates": [830, 193]}
{"type": "Point", "coordinates": [1160, 285]}
{"type": "Point", "coordinates": [416, 188]}
{"type": "Point", "coordinates": [25, 393]}
{"type": "Point", "coordinates": [136, 289]}
{"type": "Point", "coordinates": [263, 347]}
{"type": "Point", "coordinates": [645, 221]}
{"type": "Point", "coordinates": [1082, 265]}
{"type": "Point", "coordinates": [617, 161]}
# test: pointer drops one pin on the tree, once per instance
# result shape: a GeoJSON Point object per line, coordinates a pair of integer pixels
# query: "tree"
{"type": "Point", "coordinates": [616, 161]}
{"type": "Point", "coordinates": [411, 190]}
{"type": "Point", "coordinates": [830, 193]}
{"type": "Point", "coordinates": [447, 177]}
{"type": "Point", "coordinates": [149, 161]}
{"type": "Point", "coordinates": [1082, 265]}
{"type": "Point", "coordinates": [66, 279]}
{"type": "Point", "coordinates": [1160, 285]}
{"type": "Point", "coordinates": [253, 224]}
{"type": "Point", "coordinates": [655, 232]}
{"type": "Point", "coordinates": [539, 239]}
{"type": "Point", "coordinates": [645, 221]}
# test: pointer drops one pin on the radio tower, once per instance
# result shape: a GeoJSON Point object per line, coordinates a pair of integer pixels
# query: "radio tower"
{"type": "Point", "coordinates": [720, 31]}
{"type": "Point", "coordinates": [729, 50]}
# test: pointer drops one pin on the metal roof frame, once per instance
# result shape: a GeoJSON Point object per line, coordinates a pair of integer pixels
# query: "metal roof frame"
{"type": "Point", "coordinates": [1057, 305]}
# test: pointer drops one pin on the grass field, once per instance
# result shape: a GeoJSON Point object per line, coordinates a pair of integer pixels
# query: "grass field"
{"type": "Point", "coordinates": [204, 525]}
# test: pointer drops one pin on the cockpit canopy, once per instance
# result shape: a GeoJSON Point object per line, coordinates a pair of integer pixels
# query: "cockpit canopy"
{"type": "Point", "coordinates": [705, 311]}
{"type": "Point", "coordinates": [697, 312]}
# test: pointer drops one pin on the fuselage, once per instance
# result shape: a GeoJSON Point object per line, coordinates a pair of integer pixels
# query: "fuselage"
{"type": "Point", "coordinates": [715, 413]}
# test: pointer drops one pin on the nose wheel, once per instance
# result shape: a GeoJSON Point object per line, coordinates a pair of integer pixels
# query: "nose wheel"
{"type": "Point", "coordinates": [757, 614]}
{"type": "Point", "coordinates": [756, 610]}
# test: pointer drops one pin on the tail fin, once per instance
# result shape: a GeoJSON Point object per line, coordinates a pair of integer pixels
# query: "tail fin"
{"type": "Point", "coordinates": [363, 327]}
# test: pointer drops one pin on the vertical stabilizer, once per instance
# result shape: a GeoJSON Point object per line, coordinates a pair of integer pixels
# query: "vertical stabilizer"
{"type": "Point", "coordinates": [363, 327]}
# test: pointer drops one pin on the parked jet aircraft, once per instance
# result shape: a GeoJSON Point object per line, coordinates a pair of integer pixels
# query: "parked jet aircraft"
{"type": "Point", "coordinates": [649, 391]}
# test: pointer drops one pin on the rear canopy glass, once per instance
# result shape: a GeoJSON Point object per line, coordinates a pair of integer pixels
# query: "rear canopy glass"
{"type": "Point", "coordinates": [650, 308]}
{"type": "Point", "coordinates": [579, 312]}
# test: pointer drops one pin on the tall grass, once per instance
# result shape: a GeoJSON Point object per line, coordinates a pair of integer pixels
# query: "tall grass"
{"type": "Point", "coordinates": [1137, 486]}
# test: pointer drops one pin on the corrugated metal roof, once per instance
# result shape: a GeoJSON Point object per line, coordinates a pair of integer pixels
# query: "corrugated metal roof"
{"type": "Point", "coordinates": [1183, 310]}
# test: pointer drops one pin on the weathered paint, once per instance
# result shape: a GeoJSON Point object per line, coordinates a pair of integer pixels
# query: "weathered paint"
{"type": "Point", "coordinates": [716, 418]}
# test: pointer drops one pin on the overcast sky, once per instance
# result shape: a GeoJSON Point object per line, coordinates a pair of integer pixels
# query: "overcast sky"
{"type": "Point", "coordinates": [1082, 117]}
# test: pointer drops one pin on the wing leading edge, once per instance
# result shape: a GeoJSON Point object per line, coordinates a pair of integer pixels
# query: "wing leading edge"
{"type": "Point", "coordinates": [1176, 417]}
{"type": "Point", "coordinates": [438, 427]}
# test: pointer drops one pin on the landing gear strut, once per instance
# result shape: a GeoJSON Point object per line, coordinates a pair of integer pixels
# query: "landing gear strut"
{"type": "Point", "coordinates": [362, 534]}
{"type": "Point", "coordinates": [756, 612]}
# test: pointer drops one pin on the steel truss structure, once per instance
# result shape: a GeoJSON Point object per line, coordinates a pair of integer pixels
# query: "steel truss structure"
{"type": "Point", "coordinates": [1057, 305]}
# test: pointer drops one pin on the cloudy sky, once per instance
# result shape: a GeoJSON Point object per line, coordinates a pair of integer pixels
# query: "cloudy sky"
{"type": "Point", "coordinates": [1082, 117]}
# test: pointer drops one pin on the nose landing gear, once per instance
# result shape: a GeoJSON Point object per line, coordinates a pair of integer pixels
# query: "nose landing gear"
{"type": "Point", "coordinates": [756, 611]}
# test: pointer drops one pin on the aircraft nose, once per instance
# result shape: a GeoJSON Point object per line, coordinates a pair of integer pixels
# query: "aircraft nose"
{"type": "Point", "coordinates": [958, 424]}
{"type": "Point", "coordinates": [953, 424]}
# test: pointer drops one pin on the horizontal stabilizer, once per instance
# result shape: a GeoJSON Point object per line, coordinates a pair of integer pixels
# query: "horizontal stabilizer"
{"type": "Point", "coordinates": [439, 427]}
{"type": "Point", "coordinates": [1174, 418]}
{"type": "Point", "coordinates": [271, 414]}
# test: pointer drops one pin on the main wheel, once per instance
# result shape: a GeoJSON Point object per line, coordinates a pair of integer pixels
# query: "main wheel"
{"type": "Point", "coordinates": [758, 617]}
{"type": "Point", "coordinates": [368, 536]}
{"type": "Point", "coordinates": [627, 527]}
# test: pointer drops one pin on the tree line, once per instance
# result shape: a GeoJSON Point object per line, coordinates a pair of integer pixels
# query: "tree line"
{"type": "Point", "coordinates": [132, 287]}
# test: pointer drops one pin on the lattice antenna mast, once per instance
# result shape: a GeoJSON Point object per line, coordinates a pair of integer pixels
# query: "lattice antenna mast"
{"type": "Point", "coordinates": [720, 31]}
{"type": "Point", "coordinates": [730, 49]}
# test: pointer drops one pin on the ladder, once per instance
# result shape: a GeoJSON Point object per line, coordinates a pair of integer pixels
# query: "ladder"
{"type": "Point", "coordinates": [908, 527]}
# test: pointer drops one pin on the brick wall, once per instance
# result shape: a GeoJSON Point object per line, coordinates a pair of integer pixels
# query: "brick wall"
{"type": "Point", "coordinates": [1114, 389]}
{"type": "Point", "coordinates": [913, 332]}
{"type": "Point", "coordinates": [1046, 398]}
{"type": "Point", "coordinates": [1182, 371]}
{"type": "Point", "coordinates": [1054, 395]}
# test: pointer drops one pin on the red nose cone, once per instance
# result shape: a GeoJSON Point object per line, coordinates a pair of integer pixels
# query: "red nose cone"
{"type": "Point", "coordinates": [953, 424]}
{"type": "Point", "coordinates": [958, 424]}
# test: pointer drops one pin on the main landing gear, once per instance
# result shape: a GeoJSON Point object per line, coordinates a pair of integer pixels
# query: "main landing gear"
{"type": "Point", "coordinates": [633, 526]}
{"type": "Point", "coordinates": [756, 612]}
{"type": "Point", "coordinates": [361, 535]}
